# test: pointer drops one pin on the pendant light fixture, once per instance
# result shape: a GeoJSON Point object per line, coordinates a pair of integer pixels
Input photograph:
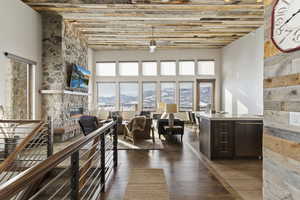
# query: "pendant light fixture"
{"type": "Point", "coordinates": [152, 45]}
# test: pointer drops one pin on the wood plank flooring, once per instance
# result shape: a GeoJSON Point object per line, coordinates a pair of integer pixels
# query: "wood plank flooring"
{"type": "Point", "coordinates": [242, 177]}
{"type": "Point", "coordinates": [187, 176]}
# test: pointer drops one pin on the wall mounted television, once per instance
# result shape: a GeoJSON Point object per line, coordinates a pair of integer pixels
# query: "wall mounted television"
{"type": "Point", "coordinates": [79, 77]}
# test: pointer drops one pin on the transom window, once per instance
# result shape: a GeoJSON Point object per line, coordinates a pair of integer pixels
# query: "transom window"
{"type": "Point", "coordinates": [149, 68]}
{"type": "Point", "coordinates": [129, 68]}
{"type": "Point", "coordinates": [168, 68]}
{"type": "Point", "coordinates": [106, 69]}
{"type": "Point", "coordinates": [187, 68]}
{"type": "Point", "coordinates": [206, 67]}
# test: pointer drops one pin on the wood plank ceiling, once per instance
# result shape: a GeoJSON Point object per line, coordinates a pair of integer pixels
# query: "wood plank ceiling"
{"type": "Point", "coordinates": [128, 24]}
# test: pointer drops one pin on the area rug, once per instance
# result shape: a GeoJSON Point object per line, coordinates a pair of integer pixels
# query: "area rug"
{"type": "Point", "coordinates": [141, 144]}
{"type": "Point", "coordinates": [122, 144]}
{"type": "Point", "coordinates": [147, 184]}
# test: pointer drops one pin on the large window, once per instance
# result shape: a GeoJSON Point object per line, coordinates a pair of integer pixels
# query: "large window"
{"type": "Point", "coordinates": [187, 68]}
{"type": "Point", "coordinates": [168, 68]}
{"type": "Point", "coordinates": [149, 96]}
{"type": "Point", "coordinates": [129, 68]}
{"type": "Point", "coordinates": [186, 96]}
{"type": "Point", "coordinates": [128, 85]}
{"type": "Point", "coordinates": [106, 69]}
{"type": "Point", "coordinates": [206, 67]}
{"type": "Point", "coordinates": [149, 68]}
{"type": "Point", "coordinates": [168, 92]}
{"type": "Point", "coordinates": [129, 96]}
{"type": "Point", "coordinates": [107, 96]}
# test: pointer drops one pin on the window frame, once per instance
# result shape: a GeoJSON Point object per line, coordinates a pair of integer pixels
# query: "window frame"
{"type": "Point", "coordinates": [198, 95]}
{"type": "Point", "coordinates": [149, 61]}
{"type": "Point", "coordinates": [198, 71]}
{"type": "Point", "coordinates": [160, 68]}
{"type": "Point", "coordinates": [119, 67]}
{"type": "Point", "coordinates": [116, 93]}
{"type": "Point", "coordinates": [175, 90]}
{"type": "Point", "coordinates": [179, 95]}
{"type": "Point", "coordinates": [116, 74]}
{"type": "Point", "coordinates": [194, 70]}
{"type": "Point", "coordinates": [138, 93]}
{"type": "Point", "coordinates": [155, 103]}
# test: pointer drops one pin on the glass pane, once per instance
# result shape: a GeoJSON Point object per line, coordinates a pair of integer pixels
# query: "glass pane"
{"type": "Point", "coordinates": [187, 68]}
{"type": "Point", "coordinates": [107, 96]}
{"type": "Point", "coordinates": [106, 69]}
{"type": "Point", "coordinates": [206, 67]}
{"type": "Point", "coordinates": [168, 68]}
{"type": "Point", "coordinates": [149, 68]}
{"type": "Point", "coordinates": [129, 69]}
{"type": "Point", "coordinates": [168, 92]}
{"type": "Point", "coordinates": [129, 93]}
{"type": "Point", "coordinates": [149, 96]}
{"type": "Point", "coordinates": [206, 95]}
{"type": "Point", "coordinates": [186, 96]}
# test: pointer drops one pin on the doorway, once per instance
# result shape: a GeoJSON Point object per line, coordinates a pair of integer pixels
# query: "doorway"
{"type": "Point", "coordinates": [205, 94]}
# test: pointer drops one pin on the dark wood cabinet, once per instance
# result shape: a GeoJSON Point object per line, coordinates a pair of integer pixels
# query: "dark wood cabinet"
{"type": "Point", "coordinates": [228, 139]}
{"type": "Point", "coordinates": [248, 138]}
{"type": "Point", "coordinates": [223, 139]}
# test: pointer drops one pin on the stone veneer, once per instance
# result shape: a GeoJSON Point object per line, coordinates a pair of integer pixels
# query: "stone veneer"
{"type": "Point", "coordinates": [281, 164]}
{"type": "Point", "coordinates": [17, 91]}
{"type": "Point", "coordinates": [62, 48]}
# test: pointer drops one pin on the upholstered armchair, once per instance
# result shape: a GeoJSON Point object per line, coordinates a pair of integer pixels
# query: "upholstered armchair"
{"type": "Point", "coordinates": [139, 128]}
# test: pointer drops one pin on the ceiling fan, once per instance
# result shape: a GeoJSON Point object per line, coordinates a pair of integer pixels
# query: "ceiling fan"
{"type": "Point", "coordinates": [153, 43]}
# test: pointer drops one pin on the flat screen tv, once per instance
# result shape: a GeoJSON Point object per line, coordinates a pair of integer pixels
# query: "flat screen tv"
{"type": "Point", "coordinates": [79, 77]}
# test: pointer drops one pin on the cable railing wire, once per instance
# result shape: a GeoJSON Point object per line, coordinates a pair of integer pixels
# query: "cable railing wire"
{"type": "Point", "coordinates": [88, 161]}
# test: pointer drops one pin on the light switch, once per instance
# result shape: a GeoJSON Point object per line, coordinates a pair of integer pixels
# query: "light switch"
{"type": "Point", "coordinates": [295, 118]}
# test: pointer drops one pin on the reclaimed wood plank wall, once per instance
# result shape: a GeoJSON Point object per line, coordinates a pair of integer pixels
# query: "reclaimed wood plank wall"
{"type": "Point", "coordinates": [281, 99]}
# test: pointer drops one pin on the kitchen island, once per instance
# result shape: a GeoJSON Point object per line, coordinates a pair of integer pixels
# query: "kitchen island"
{"type": "Point", "coordinates": [224, 136]}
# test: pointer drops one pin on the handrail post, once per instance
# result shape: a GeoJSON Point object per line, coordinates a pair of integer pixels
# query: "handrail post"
{"type": "Point", "coordinates": [50, 137]}
{"type": "Point", "coordinates": [103, 168]}
{"type": "Point", "coordinates": [115, 144]}
{"type": "Point", "coordinates": [75, 176]}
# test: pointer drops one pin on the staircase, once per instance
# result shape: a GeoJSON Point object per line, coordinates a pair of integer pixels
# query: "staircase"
{"type": "Point", "coordinates": [79, 171]}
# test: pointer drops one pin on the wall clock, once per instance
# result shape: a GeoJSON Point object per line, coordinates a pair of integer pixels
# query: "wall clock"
{"type": "Point", "coordinates": [285, 31]}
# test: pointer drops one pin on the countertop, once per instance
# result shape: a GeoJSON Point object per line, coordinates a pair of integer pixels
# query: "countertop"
{"type": "Point", "coordinates": [219, 116]}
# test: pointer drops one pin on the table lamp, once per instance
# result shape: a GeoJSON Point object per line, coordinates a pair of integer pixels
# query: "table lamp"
{"type": "Point", "coordinates": [160, 107]}
{"type": "Point", "coordinates": [171, 109]}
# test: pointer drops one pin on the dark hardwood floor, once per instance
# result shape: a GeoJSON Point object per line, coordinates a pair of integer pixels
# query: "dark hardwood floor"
{"type": "Point", "coordinates": [187, 176]}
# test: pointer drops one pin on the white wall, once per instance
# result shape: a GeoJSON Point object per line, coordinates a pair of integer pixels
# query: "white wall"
{"type": "Point", "coordinates": [20, 34]}
{"type": "Point", "coordinates": [161, 55]}
{"type": "Point", "coordinates": [242, 74]}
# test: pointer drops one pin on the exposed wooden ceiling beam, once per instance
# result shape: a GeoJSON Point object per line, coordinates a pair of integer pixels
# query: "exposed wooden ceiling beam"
{"type": "Point", "coordinates": [137, 2]}
{"type": "Point", "coordinates": [177, 30]}
{"type": "Point", "coordinates": [94, 8]}
{"type": "Point", "coordinates": [180, 23]}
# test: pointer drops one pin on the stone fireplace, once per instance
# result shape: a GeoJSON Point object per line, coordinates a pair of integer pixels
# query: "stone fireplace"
{"type": "Point", "coordinates": [62, 48]}
{"type": "Point", "coordinates": [76, 111]}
